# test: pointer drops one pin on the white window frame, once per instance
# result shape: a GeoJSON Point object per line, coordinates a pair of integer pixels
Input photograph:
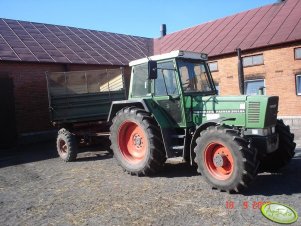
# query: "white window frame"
{"type": "Point", "coordinates": [218, 90]}
{"type": "Point", "coordinates": [212, 62]}
{"type": "Point", "coordinates": [251, 56]}
{"type": "Point", "coordinates": [295, 51]}
{"type": "Point", "coordinates": [298, 77]}
{"type": "Point", "coordinates": [254, 80]}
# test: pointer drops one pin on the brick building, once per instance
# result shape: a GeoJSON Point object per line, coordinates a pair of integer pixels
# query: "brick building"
{"type": "Point", "coordinates": [270, 39]}
{"type": "Point", "coordinates": [28, 50]}
{"type": "Point", "coordinates": [269, 36]}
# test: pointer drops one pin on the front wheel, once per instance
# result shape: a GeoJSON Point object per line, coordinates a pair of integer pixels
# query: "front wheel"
{"type": "Point", "coordinates": [137, 142]}
{"type": "Point", "coordinates": [225, 159]}
{"type": "Point", "coordinates": [285, 152]}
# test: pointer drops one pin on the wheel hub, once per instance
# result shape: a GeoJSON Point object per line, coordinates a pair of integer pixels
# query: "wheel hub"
{"type": "Point", "coordinates": [220, 160]}
{"type": "Point", "coordinates": [63, 147]}
{"type": "Point", "coordinates": [132, 142]}
{"type": "Point", "coordinates": [137, 140]}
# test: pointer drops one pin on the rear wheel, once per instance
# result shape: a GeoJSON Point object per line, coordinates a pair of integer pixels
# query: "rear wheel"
{"type": "Point", "coordinates": [284, 153]}
{"type": "Point", "coordinates": [66, 145]}
{"type": "Point", "coordinates": [225, 159]}
{"type": "Point", "coordinates": [136, 142]}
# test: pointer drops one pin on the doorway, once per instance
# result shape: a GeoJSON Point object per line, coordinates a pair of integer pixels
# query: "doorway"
{"type": "Point", "coordinates": [8, 131]}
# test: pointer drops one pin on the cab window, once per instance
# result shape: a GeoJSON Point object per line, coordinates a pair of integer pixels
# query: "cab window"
{"type": "Point", "coordinates": [139, 80]}
{"type": "Point", "coordinates": [194, 77]}
{"type": "Point", "coordinates": [166, 83]}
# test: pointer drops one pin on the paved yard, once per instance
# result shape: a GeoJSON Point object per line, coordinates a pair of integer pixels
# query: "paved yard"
{"type": "Point", "coordinates": [37, 188]}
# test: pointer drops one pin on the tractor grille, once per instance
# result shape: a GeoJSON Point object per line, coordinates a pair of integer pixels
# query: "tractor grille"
{"type": "Point", "coordinates": [253, 112]}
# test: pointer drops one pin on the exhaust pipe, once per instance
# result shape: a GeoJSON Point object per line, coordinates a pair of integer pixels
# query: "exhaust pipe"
{"type": "Point", "coordinates": [241, 77]}
{"type": "Point", "coordinates": [163, 30]}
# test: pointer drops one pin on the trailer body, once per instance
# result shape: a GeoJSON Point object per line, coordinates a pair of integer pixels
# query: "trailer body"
{"type": "Point", "coordinates": [83, 96]}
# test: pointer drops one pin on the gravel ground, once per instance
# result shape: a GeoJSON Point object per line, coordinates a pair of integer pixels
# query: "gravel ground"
{"type": "Point", "coordinates": [37, 188]}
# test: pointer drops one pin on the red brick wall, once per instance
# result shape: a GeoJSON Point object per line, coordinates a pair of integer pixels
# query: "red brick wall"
{"type": "Point", "coordinates": [30, 91]}
{"type": "Point", "coordinates": [279, 71]}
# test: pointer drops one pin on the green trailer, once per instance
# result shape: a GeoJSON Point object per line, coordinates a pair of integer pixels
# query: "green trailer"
{"type": "Point", "coordinates": [79, 105]}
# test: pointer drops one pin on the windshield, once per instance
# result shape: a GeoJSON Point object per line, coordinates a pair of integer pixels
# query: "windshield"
{"type": "Point", "coordinates": [194, 76]}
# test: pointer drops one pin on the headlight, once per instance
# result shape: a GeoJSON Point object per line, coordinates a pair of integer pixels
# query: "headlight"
{"type": "Point", "coordinates": [261, 132]}
{"type": "Point", "coordinates": [255, 131]}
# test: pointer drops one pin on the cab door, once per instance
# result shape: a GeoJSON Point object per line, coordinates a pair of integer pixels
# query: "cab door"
{"type": "Point", "coordinates": [167, 92]}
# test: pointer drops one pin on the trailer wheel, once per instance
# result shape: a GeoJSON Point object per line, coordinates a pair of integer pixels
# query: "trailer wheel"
{"type": "Point", "coordinates": [66, 145]}
{"type": "Point", "coordinates": [136, 142]}
{"type": "Point", "coordinates": [225, 159]}
{"type": "Point", "coordinates": [285, 152]}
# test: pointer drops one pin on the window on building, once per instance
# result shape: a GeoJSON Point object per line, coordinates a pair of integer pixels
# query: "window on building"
{"type": "Point", "coordinates": [213, 66]}
{"type": "Point", "coordinates": [298, 53]}
{"type": "Point", "coordinates": [252, 86]}
{"type": "Point", "coordinates": [217, 88]}
{"type": "Point", "coordinates": [252, 60]}
{"type": "Point", "coordinates": [298, 85]}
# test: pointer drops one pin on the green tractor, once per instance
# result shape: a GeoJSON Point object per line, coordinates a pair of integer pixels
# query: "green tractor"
{"type": "Point", "coordinates": [173, 111]}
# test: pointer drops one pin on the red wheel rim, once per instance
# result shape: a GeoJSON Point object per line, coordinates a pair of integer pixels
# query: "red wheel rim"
{"type": "Point", "coordinates": [63, 149]}
{"type": "Point", "coordinates": [219, 161]}
{"type": "Point", "coordinates": [132, 142]}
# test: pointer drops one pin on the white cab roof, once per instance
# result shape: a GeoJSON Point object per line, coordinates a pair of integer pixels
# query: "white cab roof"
{"type": "Point", "coordinates": [173, 54]}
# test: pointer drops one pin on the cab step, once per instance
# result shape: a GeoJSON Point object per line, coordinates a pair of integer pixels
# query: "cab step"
{"type": "Point", "coordinates": [177, 147]}
{"type": "Point", "coordinates": [182, 136]}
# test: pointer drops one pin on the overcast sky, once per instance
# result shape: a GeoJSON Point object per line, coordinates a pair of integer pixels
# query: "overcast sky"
{"type": "Point", "coordinates": [134, 17]}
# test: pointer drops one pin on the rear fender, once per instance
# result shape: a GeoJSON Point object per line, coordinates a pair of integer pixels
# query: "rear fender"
{"type": "Point", "coordinates": [118, 105]}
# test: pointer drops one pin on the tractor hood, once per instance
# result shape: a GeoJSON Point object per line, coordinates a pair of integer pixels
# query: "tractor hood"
{"type": "Point", "coordinates": [247, 111]}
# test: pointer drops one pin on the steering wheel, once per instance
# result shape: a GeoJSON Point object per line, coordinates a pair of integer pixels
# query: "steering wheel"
{"type": "Point", "coordinates": [187, 87]}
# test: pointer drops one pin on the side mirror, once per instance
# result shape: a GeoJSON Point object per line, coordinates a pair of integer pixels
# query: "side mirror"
{"type": "Point", "coordinates": [152, 69]}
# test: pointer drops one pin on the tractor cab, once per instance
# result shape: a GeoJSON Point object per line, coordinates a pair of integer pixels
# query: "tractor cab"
{"type": "Point", "coordinates": [171, 80]}
{"type": "Point", "coordinates": [177, 72]}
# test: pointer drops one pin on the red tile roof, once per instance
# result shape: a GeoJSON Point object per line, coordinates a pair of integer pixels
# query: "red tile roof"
{"type": "Point", "coordinates": [36, 42]}
{"type": "Point", "coordinates": [265, 26]}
